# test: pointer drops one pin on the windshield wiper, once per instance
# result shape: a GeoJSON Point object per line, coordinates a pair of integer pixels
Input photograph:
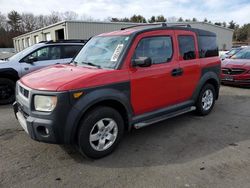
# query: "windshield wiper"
{"type": "Point", "coordinates": [92, 64]}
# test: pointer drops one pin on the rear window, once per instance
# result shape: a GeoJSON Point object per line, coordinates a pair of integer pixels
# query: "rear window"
{"type": "Point", "coordinates": [208, 46]}
{"type": "Point", "coordinates": [187, 47]}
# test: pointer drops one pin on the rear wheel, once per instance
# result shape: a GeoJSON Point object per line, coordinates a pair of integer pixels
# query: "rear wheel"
{"type": "Point", "coordinates": [206, 100]}
{"type": "Point", "coordinates": [100, 132]}
{"type": "Point", "coordinates": [7, 91]}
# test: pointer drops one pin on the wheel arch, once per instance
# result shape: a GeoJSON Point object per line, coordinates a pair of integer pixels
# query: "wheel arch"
{"type": "Point", "coordinates": [107, 97]}
{"type": "Point", "coordinates": [211, 78]}
{"type": "Point", "coordinates": [9, 73]}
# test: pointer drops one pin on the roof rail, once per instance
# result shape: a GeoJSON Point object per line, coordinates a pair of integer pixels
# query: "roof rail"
{"type": "Point", "coordinates": [142, 25]}
{"type": "Point", "coordinates": [180, 25]}
{"type": "Point", "coordinates": [67, 41]}
{"type": "Point", "coordinates": [163, 24]}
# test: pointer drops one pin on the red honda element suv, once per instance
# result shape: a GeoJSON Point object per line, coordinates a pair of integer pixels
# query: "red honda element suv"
{"type": "Point", "coordinates": [129, 78]}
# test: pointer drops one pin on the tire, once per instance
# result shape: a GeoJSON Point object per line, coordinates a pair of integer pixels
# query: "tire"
{"type": "Point", "coordinates": [204, 104]}
{"type": "Point", "coordinates": [105, 126]}
{"type": "Point", "coordinates": [7, 91]}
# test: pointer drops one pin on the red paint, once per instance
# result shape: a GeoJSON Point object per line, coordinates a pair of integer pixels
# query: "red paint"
{"type": "Point", "coordinates": [239, 79]}
{"type": "Point", "coordinates": [69, 77]}
{"type": "Point", "coordinates": [151, 87]}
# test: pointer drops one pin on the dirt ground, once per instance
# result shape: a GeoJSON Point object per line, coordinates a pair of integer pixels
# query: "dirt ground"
{"type": "Point", "coordinates": [186, 151]}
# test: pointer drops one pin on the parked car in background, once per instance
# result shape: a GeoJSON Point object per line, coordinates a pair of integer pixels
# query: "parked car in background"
{"type": "Point", "coordinates": [236, 70]}
{"type": "Point", "coordinates": [120, 80]}
{"type": "Point", "coordinates": [230, 53]}
{"type": "Point", "coordinates": [33, 58]}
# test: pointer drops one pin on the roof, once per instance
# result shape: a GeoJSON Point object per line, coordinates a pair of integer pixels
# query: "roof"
{"type": "Point", "coordinates": [116, 23]}
{"type": "Point", "coordinates": [159, 26]}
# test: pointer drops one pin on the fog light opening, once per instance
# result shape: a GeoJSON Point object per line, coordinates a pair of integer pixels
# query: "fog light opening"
{"type": "Point", "coordinates": [43, 131]}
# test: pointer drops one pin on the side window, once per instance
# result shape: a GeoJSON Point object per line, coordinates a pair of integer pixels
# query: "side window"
{"type": "Point", "coordinates": [208, 46]}
{"type": "Point", "coordinates": [46, 53]}
{"type": "Point", "coordinates": [54, 52]}
{"type": "Point", "coordinates": [70, 51]}
{"type": "Point", "coordinates": [187, 47]}
{"type": "Point", "coordinates": [159, 49]}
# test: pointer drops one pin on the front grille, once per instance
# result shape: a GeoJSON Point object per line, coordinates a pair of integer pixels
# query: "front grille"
{"type": "Point", "coordinates": [233, 71]}
{"type": "Point", "coordinates": [24, 92]}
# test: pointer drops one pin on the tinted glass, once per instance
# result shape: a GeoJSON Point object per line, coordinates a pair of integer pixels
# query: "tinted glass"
{"type": "Point", "coordinates": [208, 46]}
{"type": "Point", "coordinates": [187, 47]}
{"type": "Point", "coordinates": [70, 51]}
{"type": "Point", "coordinates": [159, 49]}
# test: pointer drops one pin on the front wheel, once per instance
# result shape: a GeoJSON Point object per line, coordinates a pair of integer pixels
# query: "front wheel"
{"type": "Point", "coordinates": [7, 91]}
{"type": "Point", "coordinates": [100, 132]}
{"type": "Point", "coordinates": [206, 100]}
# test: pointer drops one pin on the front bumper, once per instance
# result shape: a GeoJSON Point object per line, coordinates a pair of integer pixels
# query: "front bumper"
{"type": "Point", "coordinates": [50, 127]}
{"type": "Point", "coordinates": [38, 129]}
{"type": "Point", "coordinates": [243, 80]}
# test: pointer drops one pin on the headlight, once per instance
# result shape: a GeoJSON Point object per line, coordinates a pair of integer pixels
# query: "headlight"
{"type": "Point", "coordinates": [45, 103]}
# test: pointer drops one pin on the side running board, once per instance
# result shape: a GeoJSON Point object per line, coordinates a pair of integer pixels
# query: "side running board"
{"type": "Point", "coordinates": [163, 117]}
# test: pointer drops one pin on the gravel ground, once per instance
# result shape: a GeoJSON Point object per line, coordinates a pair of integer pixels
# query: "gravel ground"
{"type": "Point", "coordinates": [186, 151]}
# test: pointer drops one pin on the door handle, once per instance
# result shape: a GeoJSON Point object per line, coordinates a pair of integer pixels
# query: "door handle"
{"type": "Point", "coordinates": [177, 72]}
{"type": "Point", "coordinates": [26, 68]}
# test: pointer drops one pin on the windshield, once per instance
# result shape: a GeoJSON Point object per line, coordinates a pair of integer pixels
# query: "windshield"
{"type": "Point", "coordinates": [242, 54]}
{"type": "Point", "coordinates": [102, 51]}
{"type": "Point", "coordinates": [233, 51]}
{"type": "Point", "coordinates": [23, 53]}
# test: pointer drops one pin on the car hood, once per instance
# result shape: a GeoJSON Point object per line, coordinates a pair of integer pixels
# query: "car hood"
{"type": "Point", "coordinates": [54, 78]}
{"type": "Point", "coordinates": [236, 63]}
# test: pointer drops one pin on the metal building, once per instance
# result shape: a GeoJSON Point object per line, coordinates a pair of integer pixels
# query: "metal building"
{"type": "Point", "coordinates": [85, 30]}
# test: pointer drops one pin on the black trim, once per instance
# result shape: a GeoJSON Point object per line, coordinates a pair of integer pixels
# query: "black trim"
{"type": "Point", "coordinates": [9, 73]}
{"type": "Point", "coordinates": [161, 112]}
{"type": "Point", "coordinates": [211, 73]}
{"type": "Point", "coordinates": [117, 92]}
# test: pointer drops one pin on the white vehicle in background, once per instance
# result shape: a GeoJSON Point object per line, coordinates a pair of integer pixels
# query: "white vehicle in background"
{"type": "Point", "coordinates": [33, 58]}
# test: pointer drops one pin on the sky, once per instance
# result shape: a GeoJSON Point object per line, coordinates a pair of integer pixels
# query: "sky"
{"type": "Point", "coordinates": [214, 10]}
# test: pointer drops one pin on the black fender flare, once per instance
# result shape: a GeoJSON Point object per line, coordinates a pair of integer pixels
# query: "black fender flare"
{"type": "Point", "coordinates": [89, 100]}
{"type": "Point", "coordinates": [205, 77]}
{"type": "Point", "coordinates": [9, 73]}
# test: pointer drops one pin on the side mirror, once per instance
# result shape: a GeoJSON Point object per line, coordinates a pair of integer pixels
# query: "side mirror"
{"type": "Point", "coordinates": [31, 59]}
{"type": "Point", "coordinates": [142, 62]}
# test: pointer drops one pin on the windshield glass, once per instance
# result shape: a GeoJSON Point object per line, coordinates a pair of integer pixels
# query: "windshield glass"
{"type": "Point", "coordinates": [242, 54]}
{"type": "Point", "coordinates": [23, 53]}
{"type": "Point", "coordinates": [233, 51]}
{"type": "Point", "coordinates": [102, 51]}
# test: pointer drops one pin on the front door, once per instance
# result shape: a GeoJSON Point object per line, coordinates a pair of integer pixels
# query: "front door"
{"type": "Point", "coordinates": [41, 58]}
{"type": "Point", "coordinates": [154, 87]}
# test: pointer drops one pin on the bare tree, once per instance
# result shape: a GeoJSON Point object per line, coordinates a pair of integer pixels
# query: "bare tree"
{"type": "Point", "coordinates": [69, 15]}
{"type": "Point", "coordinates": [54, 17]}
{"type": "Point", "coordinates": [3, 22]}
{"type": "Point", "coordinates": [28, 22]}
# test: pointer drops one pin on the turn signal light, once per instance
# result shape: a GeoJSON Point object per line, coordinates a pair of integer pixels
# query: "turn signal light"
{"type": "Point", "coordinates": [77, 95]}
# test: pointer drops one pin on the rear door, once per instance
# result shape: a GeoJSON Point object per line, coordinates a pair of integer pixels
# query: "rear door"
{"type": "Point", "coordinates": [69, 52]}
{"type": "Point", "coordinates": [189, 63]}
{"type": "Point", "coordinates": [153, 87]}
